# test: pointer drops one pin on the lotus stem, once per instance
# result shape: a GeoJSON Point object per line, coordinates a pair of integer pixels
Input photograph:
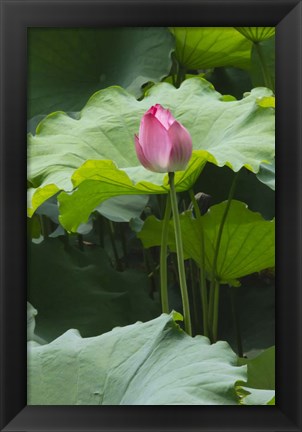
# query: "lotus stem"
{"type": "Point", "coordinates": [163, 258]}
{"type": "Point", "coordinates": [214, 294]}
{"type": "Point", "coordinates": [202, 279]}
{"type": "Point", "coordinates": [264, 69]}
{"type": "Point", "coordinates": [180, 257]}
{"type": "Point", "coordinates": [236, 322]}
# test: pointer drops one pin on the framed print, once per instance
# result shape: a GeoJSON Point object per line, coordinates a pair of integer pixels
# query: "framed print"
{"type": "Point", "coordinates": [158, 265]}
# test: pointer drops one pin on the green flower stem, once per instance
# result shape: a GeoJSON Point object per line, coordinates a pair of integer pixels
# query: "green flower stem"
{"type": "Point", "coordinates": [163, 258]}
{"type": "Point", "coordinates": [211, 310]}
{"type": "Point", "coordinates": [174, 268]}
{"type": "Point", "coordinates": [181, 74]}
{"type": "Point", "coordinates": [214, 296]}
{"type": "Point", "coordinates": [100, 229]}
{"type": "Point", "coordinates": [203, 283]}
{"type": "Point", "coordinates": [180, 257]}
{"type": "Point", "coordinates": [236, 322]}
{"type": "Point", "coordinates": [150, 272]}
{"type": "Point", "coordinates": [113, 244]}
{"type": "Point", "coordinates": [121, 227]}
{"type": "Point", "coordinates": [215, 311]}
{"type": "Point", "coordinates": [264, 69]}
{"type": "Point", "coordinates": [195, 298]}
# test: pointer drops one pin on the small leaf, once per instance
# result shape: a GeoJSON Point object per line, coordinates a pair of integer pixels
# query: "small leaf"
{"type": "Point", "coordinates": [261, 370]}
{"type": "Point", "coordinates": [266, 174]}
{"type": "Point", "coordinates": [260, 386]}
{"type": "Point", "coordinates": [251, 396]}
{"type": "Point", "coordinates": [266, 102]}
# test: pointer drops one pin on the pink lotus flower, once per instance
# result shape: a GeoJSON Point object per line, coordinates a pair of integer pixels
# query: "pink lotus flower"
{"type": "Point", "coordinates": [163, 144]}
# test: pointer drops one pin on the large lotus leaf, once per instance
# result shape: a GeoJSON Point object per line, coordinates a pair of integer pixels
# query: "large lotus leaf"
{"type": "Point", "coordinates": [154, 363]}
{"type": "Point", "coordinates": [209, 47]}
{"type": "Point", "coordinates": [238, 133]}
{"type": "Point", "coordinates": [75, 289]}
{"type": "Point", "coordinates": [256, 34]}
{"type": "Point", "coordinates": [66, 66]}
{"type": "Point", "coordinates": [247, 243]}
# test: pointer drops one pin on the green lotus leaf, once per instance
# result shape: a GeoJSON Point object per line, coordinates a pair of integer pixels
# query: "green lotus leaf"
{"type": "Point", "coordinates": [247, 243]}
{"type": "Point", "coordinates": [257, 34]}
{"type": "Point", "coordinates": [153, 363]}
{"type": "Point", "coordinates": [123, 208]}
{"type": "Point", "coordinates": [118, 209]}
{"type": "Point", "coordinates": [96, 181]}
{"type": "Point", "coordinates": [209, 47]}
{"type": "Point", "coordinates": [238, 133]}
{"type": "Point", "coordinates": [266, 174]}
{"type": "Point", "coordinates": [75, 289]}
{"type": "Point", "coordinates": [260, 386]}
{"type": "Point", "coordinates": [66, 66]}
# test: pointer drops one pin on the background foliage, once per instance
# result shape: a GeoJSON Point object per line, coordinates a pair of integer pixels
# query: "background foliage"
{"type": "Point", "coordinates": [94, 215]}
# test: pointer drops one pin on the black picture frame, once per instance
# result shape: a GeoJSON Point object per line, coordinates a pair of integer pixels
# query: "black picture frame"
{"type": "Point", "coordinates": [16, 17]}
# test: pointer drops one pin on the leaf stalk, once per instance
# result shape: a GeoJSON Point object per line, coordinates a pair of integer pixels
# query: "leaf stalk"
{"type": "Point", "coordinates": [180, 256]}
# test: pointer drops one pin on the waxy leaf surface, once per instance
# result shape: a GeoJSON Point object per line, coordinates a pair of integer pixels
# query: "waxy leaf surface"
{"type": "Point", "coordinates": [238, 133]}
{"type": "Point", "coordinates": [66, 66]}
{"type": "Point", "coordinates": [154, 363]}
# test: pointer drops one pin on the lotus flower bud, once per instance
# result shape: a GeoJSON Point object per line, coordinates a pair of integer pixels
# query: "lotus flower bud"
{"type": "Point", "coordinates": [163, 144]}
